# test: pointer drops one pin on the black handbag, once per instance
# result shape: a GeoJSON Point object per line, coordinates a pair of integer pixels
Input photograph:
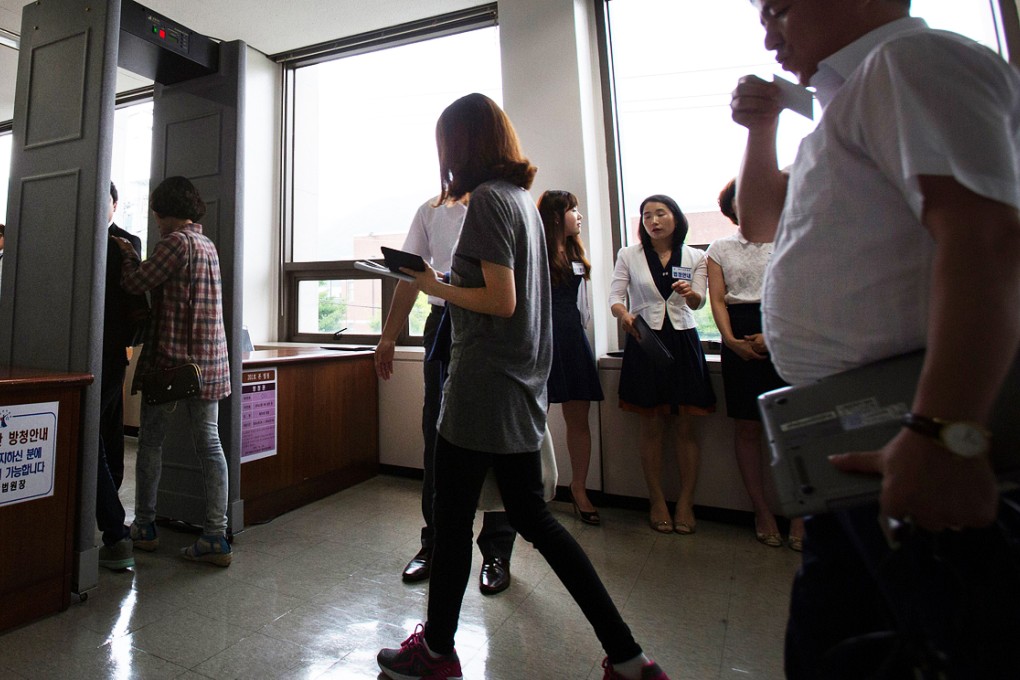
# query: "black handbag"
{"type": "Point", "coordinates": [170, 384]}
{"type": "Point", "coordinates": [163, 385]}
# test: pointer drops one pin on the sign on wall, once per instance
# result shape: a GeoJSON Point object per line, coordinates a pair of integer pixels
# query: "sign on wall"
{"type": "Point", "coordinates": [258, 414]}
{"type": "Point", "coordinates": [28, 444]}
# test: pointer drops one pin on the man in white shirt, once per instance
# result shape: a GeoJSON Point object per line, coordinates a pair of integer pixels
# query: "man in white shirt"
{"type": "Point", "coordinates": [433, 235]}
{"type": "Point", "coordinates": [898, 229]}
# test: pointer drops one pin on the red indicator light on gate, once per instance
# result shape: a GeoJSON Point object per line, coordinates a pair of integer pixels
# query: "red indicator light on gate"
{"type": "Point", "coordinates": [162, 34]}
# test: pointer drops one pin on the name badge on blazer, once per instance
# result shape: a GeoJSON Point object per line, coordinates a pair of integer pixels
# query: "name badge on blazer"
{"type": "Point", "coordinates": [578, 268]}
{"type": "Point", "coordinates": [682, 273]}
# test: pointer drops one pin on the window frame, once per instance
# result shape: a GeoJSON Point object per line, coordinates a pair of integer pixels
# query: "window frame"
{"type": "Point", "coordinates": [298, 272]}
{"type": "Point", "coordinates": [292, 273]}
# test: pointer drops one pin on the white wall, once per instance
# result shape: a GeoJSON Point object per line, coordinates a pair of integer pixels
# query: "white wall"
{"type": "Point", "coordinates": [262, 121]}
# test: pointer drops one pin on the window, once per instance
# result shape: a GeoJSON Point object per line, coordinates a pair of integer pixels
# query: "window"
{"type": "Point", "coordinates": [675, 134]}
{"type": "Point", "coordinates": [364, 159]}
{"type": "Point", "coordinates": [6, 140]}
{"type": "Point", "coordinates": [132, 155]}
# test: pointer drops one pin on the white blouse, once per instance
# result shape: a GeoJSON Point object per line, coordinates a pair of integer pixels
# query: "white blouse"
{"type": "Point", "coordinates": [743, 264]}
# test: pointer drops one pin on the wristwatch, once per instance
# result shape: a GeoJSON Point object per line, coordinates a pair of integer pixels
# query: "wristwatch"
{"type": "Point", "coordinates": [962, 438]}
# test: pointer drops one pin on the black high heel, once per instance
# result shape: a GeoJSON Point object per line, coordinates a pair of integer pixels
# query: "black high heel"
{"type": "Point", "coordinates": [591, 518]}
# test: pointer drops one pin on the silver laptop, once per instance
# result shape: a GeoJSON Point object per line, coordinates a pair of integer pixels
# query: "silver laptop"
{"type": "Point", "coordinates": [860, 410]}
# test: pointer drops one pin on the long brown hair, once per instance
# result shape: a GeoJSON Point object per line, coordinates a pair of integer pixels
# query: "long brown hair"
{"type": "Point", "coordinates": [477, 143]}
{"type": "Point", "coordinates": [553, 206]}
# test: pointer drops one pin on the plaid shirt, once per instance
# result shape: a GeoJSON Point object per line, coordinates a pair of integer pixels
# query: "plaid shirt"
{"type": "Point", "coordinates": [165, 274]}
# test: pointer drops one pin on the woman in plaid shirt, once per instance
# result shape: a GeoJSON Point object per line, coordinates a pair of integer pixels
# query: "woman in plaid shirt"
{"type": "Point", "coordinates": [183, 277]}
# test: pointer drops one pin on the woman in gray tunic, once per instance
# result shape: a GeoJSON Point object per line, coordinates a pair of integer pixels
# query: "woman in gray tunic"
{"type": "Point", "coordinates": [494, 401]}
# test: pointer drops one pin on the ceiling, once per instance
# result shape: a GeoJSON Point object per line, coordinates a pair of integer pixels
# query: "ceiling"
{"type": "Point", "coordinates": [270, 26]}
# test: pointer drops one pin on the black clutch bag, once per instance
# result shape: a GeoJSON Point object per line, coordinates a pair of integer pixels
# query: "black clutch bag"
{"type": "Point", "coordinates": [170, 384]}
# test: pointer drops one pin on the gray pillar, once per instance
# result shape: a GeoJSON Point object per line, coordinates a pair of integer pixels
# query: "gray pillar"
{"type": "Point", "coordinates": [51, 297]}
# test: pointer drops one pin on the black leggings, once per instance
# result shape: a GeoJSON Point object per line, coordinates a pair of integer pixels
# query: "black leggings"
{"type": "Point", "coordinates": [459, 476]}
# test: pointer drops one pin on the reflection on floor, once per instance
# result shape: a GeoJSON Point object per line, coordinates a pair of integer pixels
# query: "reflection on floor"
{"type": "Point", "coordinates": [317, 592]}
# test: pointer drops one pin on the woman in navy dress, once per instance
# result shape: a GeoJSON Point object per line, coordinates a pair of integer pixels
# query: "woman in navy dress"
{"type": "Point", "coordinates": [574, 379]}
{"type": "Point", "coordinates": [663, 281]}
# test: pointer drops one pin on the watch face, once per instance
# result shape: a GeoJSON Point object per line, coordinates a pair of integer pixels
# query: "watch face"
{"type": "Point", "coordinates": [964, 439]}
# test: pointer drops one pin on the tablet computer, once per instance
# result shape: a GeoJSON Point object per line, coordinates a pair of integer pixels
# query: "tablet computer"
{"type": "Point", "coordinates": [395, 259]}
{"type": "Point", "coordinates": [651, 345]}
{"type": "Point", "coordinates": [381, 270]}
{"type": "Point", "coordinates": [861, 410]}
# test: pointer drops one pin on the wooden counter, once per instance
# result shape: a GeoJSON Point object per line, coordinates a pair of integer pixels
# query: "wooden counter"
{"type": "Point", "coordinates": [327, 428]}
{"type": "Point", "coordinates": [37, 559]}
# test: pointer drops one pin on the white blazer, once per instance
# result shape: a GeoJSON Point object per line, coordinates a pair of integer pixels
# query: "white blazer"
{"type": "Point", "coordinates": [633, 277]}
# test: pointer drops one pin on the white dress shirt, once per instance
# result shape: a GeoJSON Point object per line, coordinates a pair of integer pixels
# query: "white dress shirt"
{"type": "Point", "coordinates": [849, 280]}
{"type": "Point", "coordinates": [433, 235]}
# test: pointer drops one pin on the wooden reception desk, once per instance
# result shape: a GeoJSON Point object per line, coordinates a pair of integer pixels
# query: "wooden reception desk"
{"type": "Point", "coordinates": [327, 430]}
{"type": "Point", "coordinates": [37, 532]}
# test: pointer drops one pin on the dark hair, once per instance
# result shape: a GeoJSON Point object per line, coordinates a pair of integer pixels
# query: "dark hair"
{"type": "Point", "coordinates": [679, 234]}
{"type": "Point", "coordinates": [553, 206]}
{"type": "Point", "coordinates": [2, 227]}
{"type": "Point", "coordinates": [726, 198]}
{"type": "Point", "coordinates": [477, 143]}
{"type": "Point", "coordinates": [113, 192]}
{"type": "Point", "coordinates": [177, 197]}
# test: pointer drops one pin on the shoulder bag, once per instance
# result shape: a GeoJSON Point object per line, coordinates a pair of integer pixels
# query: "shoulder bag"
{"type": "Point", "coordinates": [164, 385]}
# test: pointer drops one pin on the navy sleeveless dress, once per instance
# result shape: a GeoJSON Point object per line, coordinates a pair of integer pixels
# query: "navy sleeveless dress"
{"type": "Point", "coordinates": [574, 376]}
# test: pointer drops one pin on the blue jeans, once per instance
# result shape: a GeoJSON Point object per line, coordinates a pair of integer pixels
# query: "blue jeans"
{"type": "Point", "coordinates": [202, 416]}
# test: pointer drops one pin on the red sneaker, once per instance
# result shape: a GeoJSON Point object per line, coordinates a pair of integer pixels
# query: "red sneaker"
{"type": "Point", "coordinates": [413, 661]}
{"type": "Point", "coordinates": [650, 671]}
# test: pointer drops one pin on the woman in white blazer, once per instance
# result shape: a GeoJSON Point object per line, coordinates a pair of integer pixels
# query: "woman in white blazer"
{"type": "Point", "coordinates": [664, 281]}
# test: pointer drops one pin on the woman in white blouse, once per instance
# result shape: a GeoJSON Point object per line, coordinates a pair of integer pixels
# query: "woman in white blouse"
{"type": "Point", "coordinates": [664, 281]}
{"type": "Point", "coordinates": [736, 269]}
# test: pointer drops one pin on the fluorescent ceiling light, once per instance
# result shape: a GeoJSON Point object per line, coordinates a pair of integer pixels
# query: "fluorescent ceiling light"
{"type": "Point", "coordinates": [10, 39]}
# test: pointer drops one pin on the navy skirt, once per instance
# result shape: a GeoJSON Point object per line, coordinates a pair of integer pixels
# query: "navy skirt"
{"type": "Point", "coordinates": [744, 380]}
{"type": "Point", "coordinates": [685, 386]}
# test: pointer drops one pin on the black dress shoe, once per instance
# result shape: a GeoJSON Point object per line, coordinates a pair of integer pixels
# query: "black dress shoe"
{"type": "Point", "coordinates": [495, 576]}
{"type": "Point", "coordinates": [420, 566]}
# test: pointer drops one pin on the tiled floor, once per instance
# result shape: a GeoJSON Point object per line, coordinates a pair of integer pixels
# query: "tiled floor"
{"type": "Point", "coordinates": [317, 592]}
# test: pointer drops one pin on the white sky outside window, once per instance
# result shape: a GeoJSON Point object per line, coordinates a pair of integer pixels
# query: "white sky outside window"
{"type": "Point", "coordinates": [132, 156]}
{"type": "Point", "coordinates": [5, 173]}
{"type": "Point", "coordinates": [676, 64]}
{"type": "Point", "coordinates": [364, 140]}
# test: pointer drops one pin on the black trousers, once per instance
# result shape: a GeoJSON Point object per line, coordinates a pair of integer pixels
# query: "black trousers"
{"type": "Point", "coordinates": [110, 468]}
{"type": "Point", "coordinates": [496, 539]}
{"type": "Point", "coordinates": [111, 414]}
{"type": "Point", "coordinates": [459, 476]}
{"type": "Point", "coordinates": [947, 604]}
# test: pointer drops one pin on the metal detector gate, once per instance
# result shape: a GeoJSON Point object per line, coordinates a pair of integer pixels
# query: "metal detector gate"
{"type": "Point", "coordinates": [52, 292]}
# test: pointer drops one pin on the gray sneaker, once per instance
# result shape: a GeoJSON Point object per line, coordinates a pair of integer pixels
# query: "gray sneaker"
{"type": "Point", "coordinates": [144, 537]}
{"type": "Point", "coordinates": [211, 549]}
{"type": "Point", "coordinates": [117, 556]}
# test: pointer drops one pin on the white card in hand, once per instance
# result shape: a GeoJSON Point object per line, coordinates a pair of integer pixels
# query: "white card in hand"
{"type": "Point", "coordinates": [795, 97]}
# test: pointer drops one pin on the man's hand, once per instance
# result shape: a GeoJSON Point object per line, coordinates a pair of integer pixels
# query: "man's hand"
{"type": "Point", "coordinates": [755, 103]}
{"type": "Point", "coordinates": [384, 359]}
{"type": "Point", "coordinates": [923, 481]}
{"type": "Point", "coordinates": [124, 245]}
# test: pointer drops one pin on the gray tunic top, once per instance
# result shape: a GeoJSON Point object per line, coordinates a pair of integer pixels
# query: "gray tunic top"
{"type": "Point", "coordinates": [495, 397]}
